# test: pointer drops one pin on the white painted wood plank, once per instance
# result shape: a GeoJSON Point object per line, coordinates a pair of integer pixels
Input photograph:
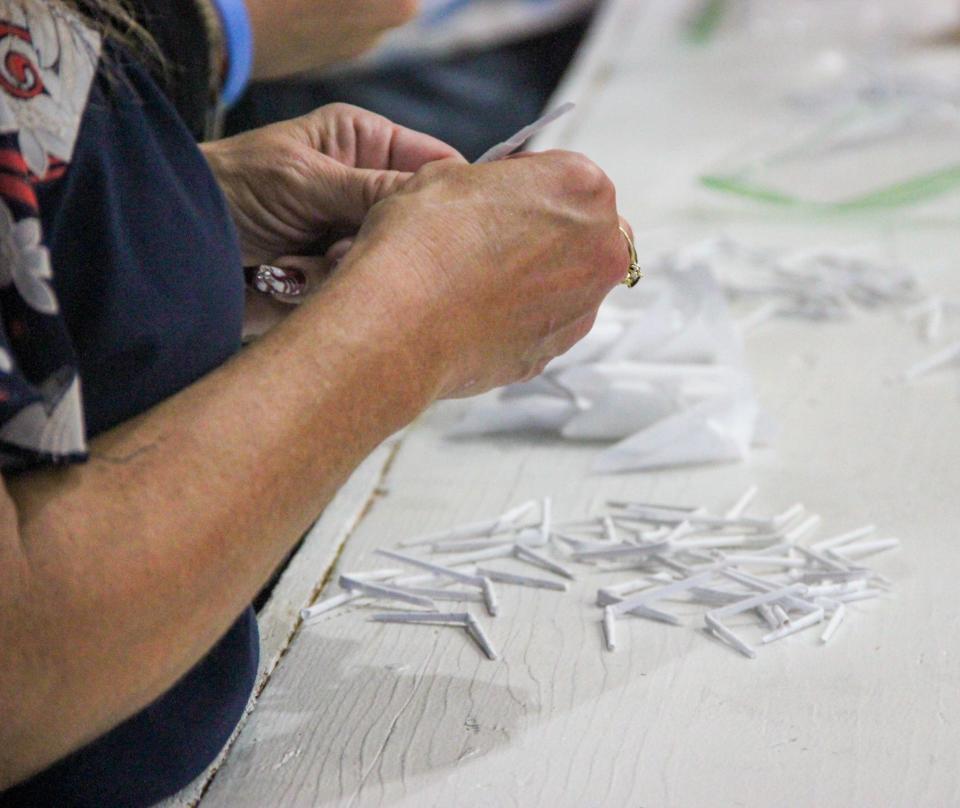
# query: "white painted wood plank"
{"type": "Point", "coordinates": [362, 714]}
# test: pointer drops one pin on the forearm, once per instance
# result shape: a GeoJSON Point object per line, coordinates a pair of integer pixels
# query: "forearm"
{"type": "Point", "coordinates": [291, 36]}
{"type": "Point", "coordinates": [118, 575]}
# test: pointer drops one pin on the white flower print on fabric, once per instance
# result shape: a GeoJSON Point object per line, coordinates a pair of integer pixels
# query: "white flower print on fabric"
{"type": "Point", "coordinates": [47, 63]}
{"type": "Point", "coordinates": [52, 427]}
{"type": "Point", "coordinates": [25, 262]}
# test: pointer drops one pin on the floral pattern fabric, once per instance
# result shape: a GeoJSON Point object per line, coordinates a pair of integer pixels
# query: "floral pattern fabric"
{"type": "Point", "coordinates": [48, 61]}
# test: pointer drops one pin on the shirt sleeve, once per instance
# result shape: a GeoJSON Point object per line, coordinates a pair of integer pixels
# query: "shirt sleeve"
{"type": "Point", "coordinates": [47, 63]}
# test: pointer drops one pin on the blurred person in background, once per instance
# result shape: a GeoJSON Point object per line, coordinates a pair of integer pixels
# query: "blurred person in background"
{"type": "Point", "coordinates": [469, 72]}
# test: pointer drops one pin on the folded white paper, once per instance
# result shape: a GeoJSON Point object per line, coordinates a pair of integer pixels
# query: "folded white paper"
{"type": "Point", "coordinates": [662, 371]}
{"type": "Point", "coordinates": [713, 431]}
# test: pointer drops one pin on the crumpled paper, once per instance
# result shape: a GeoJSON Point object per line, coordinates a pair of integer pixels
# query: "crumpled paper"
{"type": "Point", "coordinates": [815, 284]}
{"type": "Point", "coordinates": [661, 372]}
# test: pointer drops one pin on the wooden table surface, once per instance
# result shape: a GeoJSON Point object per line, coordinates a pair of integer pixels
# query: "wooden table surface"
{"type": "Point", "coordinates": [353, 713]}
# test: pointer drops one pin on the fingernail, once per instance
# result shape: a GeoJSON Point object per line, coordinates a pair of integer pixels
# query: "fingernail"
{"type": "Point", "coordinates": [285, 281]}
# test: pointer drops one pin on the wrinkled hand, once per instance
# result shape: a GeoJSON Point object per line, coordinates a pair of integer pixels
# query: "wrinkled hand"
{"type": "Point", "coordinates": [490, 271]}
{"type": "Point", "coordinates": [296, 183]}
{"type": "Point", "coordinates": [291, 36]}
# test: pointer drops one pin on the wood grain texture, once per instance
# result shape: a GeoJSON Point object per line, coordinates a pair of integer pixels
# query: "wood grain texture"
{"type": "Point", "coordinates": [296, 588]}
{"type": "Point", "coordinates": [359, 714]}
{"type": "Point", "coordinates": [362, 714]}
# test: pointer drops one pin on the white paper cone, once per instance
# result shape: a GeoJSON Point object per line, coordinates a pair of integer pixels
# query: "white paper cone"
{"type": "Point", "coordinates": [711, 432]}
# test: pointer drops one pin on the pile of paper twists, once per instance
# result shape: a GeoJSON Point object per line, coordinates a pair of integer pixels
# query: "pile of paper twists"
{"type": "Point", "coordinates": [750, 572]}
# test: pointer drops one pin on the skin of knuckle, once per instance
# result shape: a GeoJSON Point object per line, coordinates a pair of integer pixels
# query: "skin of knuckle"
{"type": "Point", "coordinates": [607, 195]}
{"type": "Point", "coordinates": [576, 333]}
{"type": "Point", "coordinates": [442, 180]}
{"type": "Point", "coordinates": [612, 257]}
{"type": "Point", "coordinates": [584, 175]}
{"type": "Point", "coordinates": [616, 272]}
{"type": "Point", "coordinates": [534, 369]}
{"type": "Point", "coordinates": [371, 128]}
{"type": "Point", "coordinates": [429, 170]}
{"type": "Point", "coordinates": [585, 326]}
{"type": "Point", "coordinates": [337, 109]}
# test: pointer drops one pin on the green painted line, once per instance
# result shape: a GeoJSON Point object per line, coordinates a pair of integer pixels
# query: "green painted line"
{"type": "Point", "coordinates": [908, 192]}
{"type": "Point", "coordinates": [732, 185]}
{"type": "Point", "coordinates": [704, 24]}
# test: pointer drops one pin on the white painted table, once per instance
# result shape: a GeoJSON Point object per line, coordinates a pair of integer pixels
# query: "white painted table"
{"type": "Point", "coordinates": [358, 714]}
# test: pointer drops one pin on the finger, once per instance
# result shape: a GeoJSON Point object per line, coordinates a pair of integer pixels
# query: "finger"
{"type": "Point", "coordinates": [376, 186]}
{"type": "Point", "coordinates": [292, 278]}
{"type": "Point", "coordinates": [345, 195]}
{"type": "Point", "coordinates": [410, 150]}
{"type": "Point", "coordinates": [315, 268]}
{"type": "Point", "coordinates": [362, 139]}
{"type": "Point", "coordinates": [337, 251]}
{"type": "Point", "coordinates": [627, 232]}
{"type": "Point", "coordinates": [568, 336]}
{"type": "Point", "coordinates": [362, 188]}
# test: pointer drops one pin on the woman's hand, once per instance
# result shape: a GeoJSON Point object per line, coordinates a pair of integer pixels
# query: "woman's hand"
{"type": "Point", "coordinates": [297, 183]}
{"type": "Point", "coordinates": [488, 272]}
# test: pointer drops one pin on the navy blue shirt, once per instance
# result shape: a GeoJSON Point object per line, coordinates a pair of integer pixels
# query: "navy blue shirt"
{"type": "Point", "coordinates": [120, 284]}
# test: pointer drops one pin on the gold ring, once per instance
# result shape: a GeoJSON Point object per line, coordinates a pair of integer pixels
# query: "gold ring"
{"type": "Point", "coordinates": [633, 272]}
